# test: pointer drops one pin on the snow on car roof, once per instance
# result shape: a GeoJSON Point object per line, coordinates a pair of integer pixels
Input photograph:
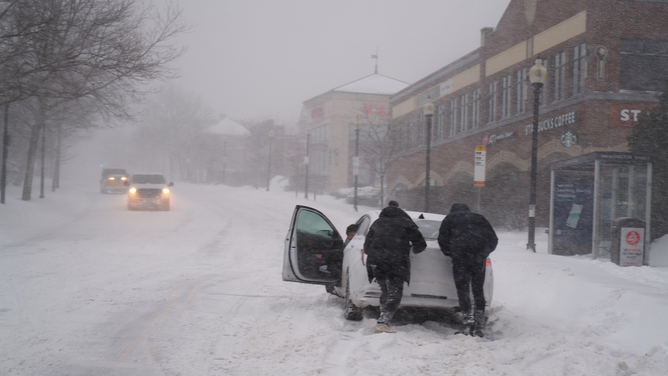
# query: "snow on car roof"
{"type": "Point", "coordinates": [413, 214]}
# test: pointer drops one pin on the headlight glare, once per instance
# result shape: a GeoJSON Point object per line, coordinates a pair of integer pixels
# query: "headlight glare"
{"type": "Point", "coordinates": [111, 178]}
{"type": "Point", "coordinates": [165, 190]}
{"type": "Point", "coordinates": [133, 190]}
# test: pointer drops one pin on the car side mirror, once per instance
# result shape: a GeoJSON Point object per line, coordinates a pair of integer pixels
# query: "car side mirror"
{"type": "Point", "coordinates": [126, 183]}
{"type": "Point", "coordinates": [170, 184]}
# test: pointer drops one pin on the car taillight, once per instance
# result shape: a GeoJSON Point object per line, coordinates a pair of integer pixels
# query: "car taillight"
{"type": "Point", "coordinates": [488, 262]}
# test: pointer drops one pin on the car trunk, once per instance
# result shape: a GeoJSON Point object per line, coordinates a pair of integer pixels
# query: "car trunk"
{"type": "Point", "coordinates": [431, 275]}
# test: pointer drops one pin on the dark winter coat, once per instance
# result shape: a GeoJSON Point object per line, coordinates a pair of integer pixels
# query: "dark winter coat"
{"type": "Point", "coordinates": [465, 234]}
{"type": "Point", "coordinates": [388, 242]}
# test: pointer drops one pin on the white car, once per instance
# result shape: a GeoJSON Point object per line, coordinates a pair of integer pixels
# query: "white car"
{"type": "Point", "coordinates": [316, 253]}
{"type": "Point", "coordinates": [148, 190]}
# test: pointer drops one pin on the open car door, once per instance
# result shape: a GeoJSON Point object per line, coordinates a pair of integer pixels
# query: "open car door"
{"type": "Point", "coordinates": [313, 249]}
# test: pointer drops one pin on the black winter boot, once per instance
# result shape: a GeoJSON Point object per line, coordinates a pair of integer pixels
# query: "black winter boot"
{"type": "Point", "coordinates": [479, 318]}
{"type": "Point", "coordinates": [469, 324]}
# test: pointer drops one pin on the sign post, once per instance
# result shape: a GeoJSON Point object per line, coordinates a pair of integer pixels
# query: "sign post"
{"type": "Point", "coordinates": [479, 169]}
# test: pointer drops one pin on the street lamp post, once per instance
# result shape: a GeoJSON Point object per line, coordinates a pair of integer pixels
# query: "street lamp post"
{"type": "Point", "coordinates": [306, 161]}
{"type": "Point", "coordinates": [356, 160]}
{"type": "Point", "coordinates": [537, 75]}
{"type": "Point", "coordinates": [271, 138]}
{"type": "Point", "coordinates": [428, 110]}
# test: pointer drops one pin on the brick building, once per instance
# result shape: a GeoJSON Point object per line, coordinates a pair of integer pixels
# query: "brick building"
{"type": "Point", "coordinates": [605, 60]}
{"type": "Point", "coordinates": [330, 119]}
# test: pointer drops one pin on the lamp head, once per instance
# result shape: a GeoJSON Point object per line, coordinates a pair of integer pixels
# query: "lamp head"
{"type": "Point", "coordinates": [538, 73]}
{"type": "Point", "coordinates": [428, 109]}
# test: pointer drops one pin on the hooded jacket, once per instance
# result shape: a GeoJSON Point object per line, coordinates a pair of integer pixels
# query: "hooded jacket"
{"type": "Point", "coordinates": [464, 233]}
{"type": "Point", "coordinates": [389, 240]}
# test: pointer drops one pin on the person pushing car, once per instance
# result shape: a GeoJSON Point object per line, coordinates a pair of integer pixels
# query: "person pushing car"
{"type": "Point", "coordinates": [388, 245]}
{"type": "Point", "coordinates": [468, 238]}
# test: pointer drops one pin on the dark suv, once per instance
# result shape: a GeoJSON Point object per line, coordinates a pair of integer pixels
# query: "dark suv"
{"type": "Point", "coordinates": [113, 180]}
{"type": "Point", "coordinates": [148, 191]}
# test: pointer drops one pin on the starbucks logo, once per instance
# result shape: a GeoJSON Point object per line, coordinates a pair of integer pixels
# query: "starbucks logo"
{"type": "Point", "coordinates": [569, 139]}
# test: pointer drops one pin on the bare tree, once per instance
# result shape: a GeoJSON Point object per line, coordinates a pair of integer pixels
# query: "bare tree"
{"type": "Point", "coordinates": [103, 50]}
{"type": "Point", "coordinates": [376, 144]}
{"type": "Point", "coordinates": [171, 130]}
{"type": "Point", "coordinates": [257, 148]}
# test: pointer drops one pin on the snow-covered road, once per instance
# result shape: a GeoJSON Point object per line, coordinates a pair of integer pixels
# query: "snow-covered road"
{"type": "Point", "coordinates": [90, 288]}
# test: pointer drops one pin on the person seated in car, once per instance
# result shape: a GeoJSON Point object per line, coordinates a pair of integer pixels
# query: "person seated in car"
{"type": "Point", "coordinates": [351, 231]}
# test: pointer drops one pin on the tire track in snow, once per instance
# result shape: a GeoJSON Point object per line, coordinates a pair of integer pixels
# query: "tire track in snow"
{"type": "Point", "coordinates": [338, 352]}
{"type": "Point", "coordinates": [173, 308]}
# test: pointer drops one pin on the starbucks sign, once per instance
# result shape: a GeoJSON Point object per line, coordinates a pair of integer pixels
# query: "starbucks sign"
{"type": "Point", "coordinates": [569, 139]}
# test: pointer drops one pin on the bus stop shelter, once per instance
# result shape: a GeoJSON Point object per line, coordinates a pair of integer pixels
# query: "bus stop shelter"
{"type": "Point", "coordinates": [588, 193]}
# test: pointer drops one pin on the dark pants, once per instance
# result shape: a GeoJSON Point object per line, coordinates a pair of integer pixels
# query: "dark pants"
{"type": "Point", "coordinates": [391, 283]}
{"type": "Point", "coordinates": [469, 277]}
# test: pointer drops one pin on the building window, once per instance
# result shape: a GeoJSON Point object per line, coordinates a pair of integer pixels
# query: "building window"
{"type": "Point", "coordinates": [520, 97]}
{"type": "Point", "coordinates": [643, 64]}
{"type": "Point", "coordinates": [463, 112]}
{"type": "Point", "coordinates": [558, 76]}
{"type": "Point", "coordinates": [578, 68]}
{"type": "Point", "coordinates": [491, 101]}
{"type": "Point", "coordinates": [475, 108]}
{"type": "Point", "coordinates": [440, 122]}
{"type": "Point", "coordinates": [414, 132]}
{"type": "Point", "coordinates": [319, 153]}
{"type": "Point", "coordinates": [406, 136]}
{"type": "Point", "coordinates": [452, 123]}
{"type": "Point", "coordinates": [506, 84]}
{"type": "Point", "coordinates": [421, 134]}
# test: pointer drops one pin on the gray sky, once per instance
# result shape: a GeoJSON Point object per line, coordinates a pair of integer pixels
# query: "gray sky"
{"type": "Point", "coordinates": [259, 59]}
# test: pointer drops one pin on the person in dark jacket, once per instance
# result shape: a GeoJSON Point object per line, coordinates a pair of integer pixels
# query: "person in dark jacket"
{"type": "Point", "coordinates": [388, 245]}
{"type": "Point", "coordinates": [468, 238]}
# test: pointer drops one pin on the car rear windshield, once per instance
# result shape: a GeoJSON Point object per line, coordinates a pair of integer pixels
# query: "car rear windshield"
{"type": "Point", "coordinates": [148, 179]}
{"type": "Point", "coordinates": [113, 171]}
{"type": "Point", "coordinates": [428, 228]}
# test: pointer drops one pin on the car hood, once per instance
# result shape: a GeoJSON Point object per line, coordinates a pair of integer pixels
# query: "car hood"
{"type": "Point", "coordinates": [149, 186]}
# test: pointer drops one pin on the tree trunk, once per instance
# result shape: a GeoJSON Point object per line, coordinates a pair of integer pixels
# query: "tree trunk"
{"type": "Point", "coordinates": [32, 158]}
{"type": "Point", "coordinates": [37, 129]}
{"type": "Point", "coordinates": [382, 190]}
{"type": "Point", "coordinates": [42, 176]}
{"type": "Point", "coordinates": [55, 182]}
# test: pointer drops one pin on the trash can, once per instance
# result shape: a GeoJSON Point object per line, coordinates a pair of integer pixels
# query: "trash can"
{"type": "Point", "coordinates": [628, 241]}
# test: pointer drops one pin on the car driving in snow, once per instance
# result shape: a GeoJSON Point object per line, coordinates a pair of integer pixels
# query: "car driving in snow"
{"type": "Point", "coordinates": [113, 180]}
{"type": "Point", "coordinates": [148, 190]}
{"type": "Point", "coordinates": [315, 253]}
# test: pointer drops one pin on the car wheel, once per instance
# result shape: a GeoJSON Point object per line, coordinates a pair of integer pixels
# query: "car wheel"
{"type": "Point", "coordinates": [351, 311]}
{"type": "Point", "coordinates": [165, 206]}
